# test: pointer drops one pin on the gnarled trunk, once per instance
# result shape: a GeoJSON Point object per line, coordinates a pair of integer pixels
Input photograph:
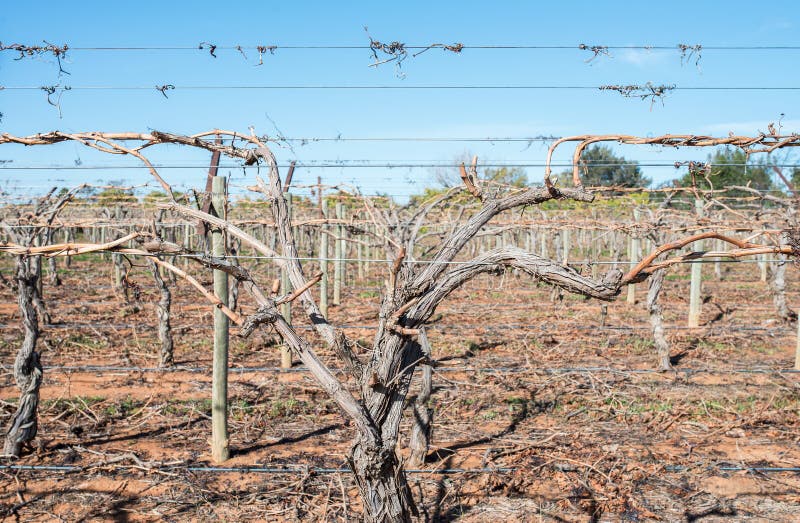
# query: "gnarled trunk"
{"type": "Point", "coordinates": [27, 368]}
{"type": "Point", "coordinates": [379, 472]}
{"type": "Point", "coordinates": [382, 483]}
{"type": "Point", "coordinates": [55, 281]}
{"type": "Point", "coordinates": [163, 313]}
{"type": "Point", "coordinates": [120, 277]}
{"type": "Point", "coordinates": [656, 318]}
{"type": "Point", "coordinates": [777, 284]}
{"type": "Point", "coordinates": [422, 413]}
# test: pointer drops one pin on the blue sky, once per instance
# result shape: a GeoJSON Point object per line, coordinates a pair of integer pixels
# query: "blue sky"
{"type": "Point", "coordinates": [388, 113]}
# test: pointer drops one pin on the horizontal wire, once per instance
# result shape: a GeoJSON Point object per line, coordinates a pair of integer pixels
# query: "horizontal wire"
{"type": "Point", "coordinates": [434, 262]}
{"type": "Point", "coordinates": [390, 87]}
{"type": "Point", "coordinates": [433, 327]}
{"type": "Point", "coordinates": [247, 470]}
{"type": "Point", "coordinates": [410, 262]}
{"type": "Point", "coordinates": [406, 138]}
{"type": "Point", "coordinates": [324, 470]}
{"type": "Point", "coordinates": [676, 47]}
{"type": "Point", "coordinates": [363, 164]}
{"type": "Point", "coordinates": [445, 369]}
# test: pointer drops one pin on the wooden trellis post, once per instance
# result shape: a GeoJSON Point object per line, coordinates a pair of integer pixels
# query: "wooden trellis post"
{"type": "Point", "coordinates": [696, 278]}
{"type": "Point", "coordinates": [286, 308]}
{"type": "Point", "coordinates": [338, 263]}
{"type": "Point", "coordinates": [360, 256]}
{"type": "Point", "coordinates": [323, 258]}
{"type": "Point", "coordinates": [634, 248]}
{"type": "Point", "coordinates": [219, 378]}
{"type": "Point", "coordinates": [797, 350]}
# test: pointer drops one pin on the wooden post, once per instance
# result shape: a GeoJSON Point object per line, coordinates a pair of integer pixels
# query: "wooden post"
{"type": "Point", "coordinates": [367, 252]}
{"type": "Point", "coordinates": [323, 260]}
{"type": "Point", "coordinates": [338, 263]}
{"type": "Point", "coordinates": [102, 233]}
{"type": "Point", "coordinates": [187, 243]}
{"type": "Point", "coordinates": [696, 278]}
{"type": "Point", "coordinates": [543, 243]}
{"type": "Point", "coordinates": [634, 248]}
{"type": "Point", "coordinates": [219, 378]}
{"type": "Point", "coordinates": [797, 350]}
{"type": "Point", "coordinates": [286, 308]}
{"type": "Point", "coordinates": [68, 236]}
{"type": "Point", "coordinates": [762, 264]}
{"type": "Point", "coordinates": [360, 256]}
{"type": "Point", "coordinates": [565, 246]}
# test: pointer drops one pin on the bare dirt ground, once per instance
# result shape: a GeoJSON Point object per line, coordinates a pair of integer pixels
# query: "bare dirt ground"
{"type": "Point", "coordinates": [541, 414]}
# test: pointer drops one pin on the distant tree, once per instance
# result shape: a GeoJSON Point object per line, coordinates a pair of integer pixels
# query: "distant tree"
{"type": "Point", "coordinates": [161, 196]}
{"type": "Point", "coordinates": [114, 195]}
{"type": "Point", "coordinates": [795, 178]}
{"type": "Point", "coordinates": [513, 176]}
{"type": "Point", "coordinates": [449, 176]}
{"type": "Point", "coordinates": [601, 167]}
{"type": "Point", "coordinates": [729, 167]}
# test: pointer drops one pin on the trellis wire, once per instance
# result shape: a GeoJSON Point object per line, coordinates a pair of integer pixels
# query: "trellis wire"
{"type": "Point", "coordinates": [324, 87]}
{"type": "Point", "coordinates": [456, 328]}
{"type": "Point", "coordinates": [351, 164]}
{"type": "Point", "coordinates": [483, 370]}
{"type": "Point", "coordinates": [324, 470]}
{"type": "Point", "coordinates": [463, 46]}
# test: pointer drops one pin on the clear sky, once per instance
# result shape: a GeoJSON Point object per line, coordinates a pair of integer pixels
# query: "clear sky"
{"type": "Point", "coordinates": [444, 113]}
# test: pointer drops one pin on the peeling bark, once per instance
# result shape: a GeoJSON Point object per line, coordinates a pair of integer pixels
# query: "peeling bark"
{"type": "Point", "coordinates": [233, 289]}
{"type": "Point", "coordinates": [382, 484]}
{"type": "Point", "coordinates": [55, 281]}
{"type": "Point", "coordinates": [656, 318]}
{"type": "Point", "coordinates": [120, 277]}
{"type": "Point", "coordinates": [777, 285]}
{"type": "Point", "coordinates": [35, 271]}
{"type": "Point", "coordinates": [422, 413]}
{"type": "Point", "coordinates": [163, 313]}
{"type": "Point", "coordinates": [27, 367]}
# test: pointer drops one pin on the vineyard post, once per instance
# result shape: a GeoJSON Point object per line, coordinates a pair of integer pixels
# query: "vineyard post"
{"type": "Point", "coordinates": [187, 243]}
{"type": "Point", "coordinates": [68, 237]}
{"type": "Point", "coordinates": [696, 278]}
{"type": "Point", "coordinates": [543, 240]}
{"type": "Point", "coordinates": [286, 308]}
{"type": "Point", "coordinates": [323, 259]}
{"type": "Point", "coordinates": [219, 382]}
{"type": "Point", "coordinates": [762, 264]}
{"type": "Point", "coordinates": [367, 251]}
{"type": "Point", "coordinates": [797, 350]}
{"type": "Point", "coordinates": [102, 231]}
{"type": "Point", "coordinates": [360, 256]}
{"type": "Point", "coordinates": [565, 238]}
{"type": "Point", "coordinates": [338, 263]}
{"type": "Point", "coordinates": [634, 246]}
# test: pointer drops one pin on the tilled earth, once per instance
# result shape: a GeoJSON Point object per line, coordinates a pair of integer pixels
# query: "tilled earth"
{"type": "Point", "coordinates": [545, 410]}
